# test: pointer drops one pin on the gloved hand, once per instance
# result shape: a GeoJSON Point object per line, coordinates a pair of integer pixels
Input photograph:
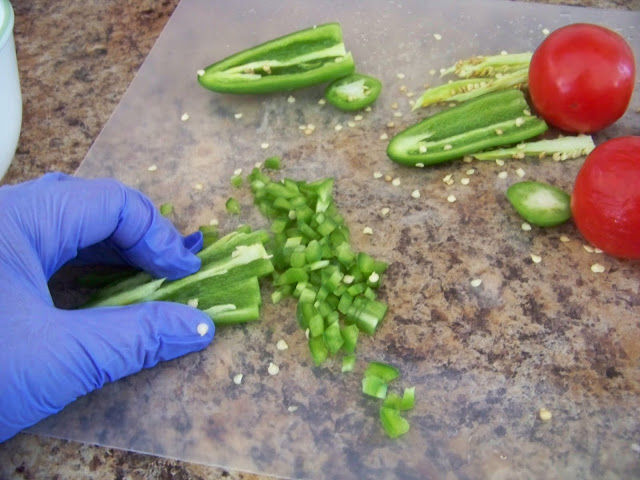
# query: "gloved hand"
{"type": "Point", "coordinates": [49, 357]}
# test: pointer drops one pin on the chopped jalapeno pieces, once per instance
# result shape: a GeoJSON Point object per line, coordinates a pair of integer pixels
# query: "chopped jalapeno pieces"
{"type": "Point", "coordinates": [392, 422]}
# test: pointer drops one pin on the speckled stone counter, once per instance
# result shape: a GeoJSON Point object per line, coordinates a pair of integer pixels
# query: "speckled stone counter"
{"type": "Point", "coordinates": [77, 59]}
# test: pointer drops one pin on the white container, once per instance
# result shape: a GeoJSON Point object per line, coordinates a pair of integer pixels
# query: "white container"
{"type": "Point", "coordinates": [10, 96]}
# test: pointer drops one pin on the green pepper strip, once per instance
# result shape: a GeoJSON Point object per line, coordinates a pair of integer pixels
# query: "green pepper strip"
{"type": "Point", "coordinates": [297, 60]}
{"type": "Point", "coordinates": [495, 119]}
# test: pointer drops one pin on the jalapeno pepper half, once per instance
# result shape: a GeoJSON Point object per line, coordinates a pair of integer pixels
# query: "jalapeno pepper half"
{"type": "Point", "coordinates": [353, 92]}
{"type": "Point", "coordinates": [297, 60]}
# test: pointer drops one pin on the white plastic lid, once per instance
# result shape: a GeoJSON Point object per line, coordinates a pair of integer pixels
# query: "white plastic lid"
{"type": "Point", "coordinates": [6, 21]}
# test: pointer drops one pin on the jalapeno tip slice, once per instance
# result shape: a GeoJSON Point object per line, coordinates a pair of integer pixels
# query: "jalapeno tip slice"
{"type": "Point", "coordinates": [353, 92]}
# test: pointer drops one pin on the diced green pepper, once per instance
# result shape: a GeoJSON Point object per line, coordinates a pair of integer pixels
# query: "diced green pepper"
{"type": "Point", "coordinates": [166, 209]}
{"type": "Point", "coordinates": [492, 120]}
{"type": "Point", "coordinates": [350, 336]}
{"type": "Point", "coordinates": [333, 338]}
{"type": "Point", "coordinates": [297, 60]}
{"type": "Point", "coordinates": [273, 163]}
{"type": "Point", "coordinates": [374, 386]}
{"type": "Point", "coordinates": [353, 92]}
{"type": "Point", "coordinates": [318, 349]}
{"type": "Point", "coordinates": [348, 363]}
{"type": "Point", "coordinates": [233, 206]}
{"type": "Point", "coordinates": [540, 204]}
{"type": "Point", "coordinates": [392, 422]}
{"type": "Point", "coordinates": [381, 370]}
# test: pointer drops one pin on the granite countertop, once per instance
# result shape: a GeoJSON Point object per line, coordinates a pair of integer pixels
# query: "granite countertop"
{"type": "Point", "coordinates": [76, 60]}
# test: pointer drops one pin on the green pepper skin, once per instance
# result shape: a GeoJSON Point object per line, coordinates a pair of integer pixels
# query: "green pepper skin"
{"type": "Point", "coordinates": [494, 119]}
{"type": "Point", "coordinates": [300, 59]}
{"type": "Point", "coordinates": [336, 93]}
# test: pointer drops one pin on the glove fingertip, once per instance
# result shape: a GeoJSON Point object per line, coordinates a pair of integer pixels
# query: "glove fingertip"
{"type": "Point", "coordinates": [193, 242]}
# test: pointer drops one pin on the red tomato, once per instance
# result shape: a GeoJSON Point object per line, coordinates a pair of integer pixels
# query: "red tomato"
{"type": "Point", "coordinates": [605, 202]}
{"type": "Point", "coordinates": [581, 77]}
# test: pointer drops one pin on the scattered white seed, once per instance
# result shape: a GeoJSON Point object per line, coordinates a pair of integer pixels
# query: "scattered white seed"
{"type": "Point", "coordinates": [384, 211]}
{"type": "Point", "coordinates": [536, 258]}
{"type": "Point", "coordinates": [397, 114]}
{"type": "Point", "coordinates": [377, 174]}
{"type": "Point", "coordinates": [502, 175]}
{"type": "Point", "coordinates": [357, 118]}
{"type": "Point", "coordinates": [476, 282]}
{"type": "Point", "coordinates": [388, 178]}
{"type": "Point", "coordinates": [198, 186]}
{"type": "Point", "coordinates": [282, 345]}
{"type": "Point", "coordinates": [292, 408]}
{"type": "Point", "coordinates": [306, 333]}
{"type": "Point", "coordinates": [499, 131]}
{"type": "Point", "coordinates": [273, 369]}
{"type": "Point", "coordinates": [351, 123]}
{"type": "Point", "coordinates": [564, 239]}
{"type": "Point", "coordinates": [367, 109]}
{"type": "Point", "coordinates": [213, 221]}
{"type": "Point", "coordinates": [422, 149]}
{"type": "Point", "coordinates": [471, 171]}
{"type": "Point", "coordinates": [322, 101]}
{"type": "Point", "coordinates": [467, 159]}
{"type": "Point", "coordinates": [202, 329]}
{"type": "Point", "coordinates": [391, 124]}
{"type": "Point", "coordinates": [588, 248]}
{"type": "Point", "coordinates": [432, 71]}
{"type": "Point", "coordinates": [237, 379]}
{"type": "Point", "coordinates": [504, 52]}
{"type": "Point", "coordinates": [400, 75]}
{"type": "Point", "coordinates": [500, 162]}
{"type": "Point", "coordinates": [544, 414]}
{"type": "Point", "coordinates": [184, 117]}
{"type": "Point", "coordinates": [526, 227]}
{"type": "Point", "coordinates": [451, 198]}
{"type": "Point", "coordinates": [337, 128]}
{"type": "Point", "coordinates": [264, 146]}
{"type": "Point", "coordinates": [348, 279]}
{"type": "Point", "coordinates": [394, 105]}
{"type": "Point", "coordinates": [415, 194]}
{"type": "Point", "coordinates": [520, 172]}
{"type": "Point", "coordinates": [437, 36]}
{"type": "Point", "coordinates": [597, 268]}
{"type": "Point", "coordinates": [200, 72]}
{"type": "Point", "coordinates": [447, 178]}
{"type": "Point", "coordinates": [519, 122]}
{"type": "Point", "coordinates": [238, 116]}
{"type": "Point", "coordinates": [597, 250]}
{"type": "Point", "coordinates": [153, 168]}
{"type": "Point", "coordinates": [291, 99]}
{"type": "Point", "coordinates": [395, 182]}
{"type": "Point", "coordinates": [384, 136]}
{"type": "Point", "coordinates": [374, 277]}
{"type": "Point", "coordinates": [420, 165]}
{"type": "Point", "coordinates": [464, 181]}
{"type": "Point", "coordinates": [193, 302]}
{"type": "Point", "coordinates": [545, 31]}
{"type": "Point", "coordinates": [237, 171]}
{"type": "Point", "coordinates": [448, 146]}
{"type": "Point", "coordinates": [367, 231]}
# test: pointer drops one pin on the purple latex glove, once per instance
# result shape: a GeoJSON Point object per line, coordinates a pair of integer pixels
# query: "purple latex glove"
{"type": "Point", "coordinates": [49, 357]}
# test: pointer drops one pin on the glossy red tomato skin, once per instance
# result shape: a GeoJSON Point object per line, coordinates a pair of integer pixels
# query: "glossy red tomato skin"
{"type": "Point", "coordinates": [581, 77]}
{"type": "Point", "coordinates": [605, 202]}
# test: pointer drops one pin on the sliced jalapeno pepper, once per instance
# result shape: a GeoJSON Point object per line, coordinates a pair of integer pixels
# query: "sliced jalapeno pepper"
{"type": "Point", "coordinates": [539, 203]}
{"type": "Point", "coordinates": [492, 120]}
{"type": "Point", "coordinates": [297, 60]}
{"type": "Point", "coordinates": [353, 92]}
